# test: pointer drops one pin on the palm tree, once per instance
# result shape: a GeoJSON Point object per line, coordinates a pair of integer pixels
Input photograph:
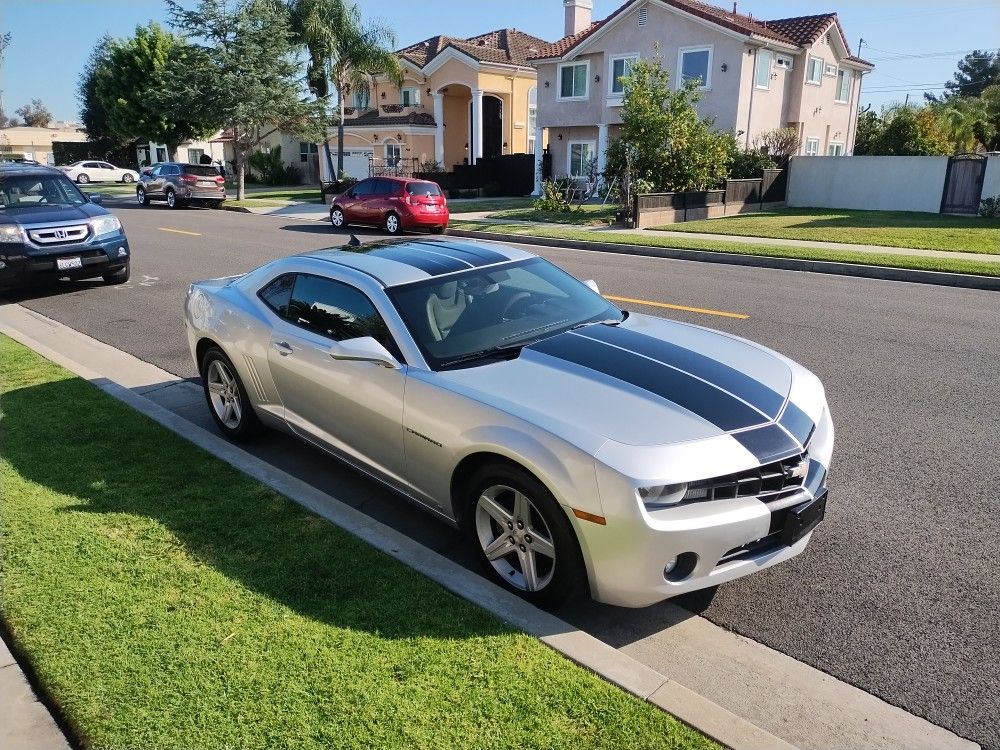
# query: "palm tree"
{"type": "Point", "coordinates": [343, 51]}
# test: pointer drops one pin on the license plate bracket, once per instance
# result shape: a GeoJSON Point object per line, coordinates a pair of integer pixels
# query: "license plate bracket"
{"type": "Point", "coordinates": [66, 264]}
{"type": "Point", "coordinates": [803, 518]}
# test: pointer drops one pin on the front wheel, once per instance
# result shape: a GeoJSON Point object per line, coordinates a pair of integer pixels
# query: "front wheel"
{"type": "Point", "coordinates": [337, 217]}
{"type": "Point", "coordinates": [118, 277]}
{"type": "Point", "coordinates": [522, 536]}
{"type": "Point", "coordinates": [393, 225]}
{"type": "Point", "coordinates": [141, 197]}
{"type": "Point", "coordinates": [227, 398]}
{"type": "Point", "coordinates": [82, 178]}
{"type": "Point", "coordinates": [128, 178]}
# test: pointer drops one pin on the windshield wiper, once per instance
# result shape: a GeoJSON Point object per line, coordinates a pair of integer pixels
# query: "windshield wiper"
{"type": "Point", "coordinates": [607, 322]}
{"type": "Point", "coordinates": [492, 352]}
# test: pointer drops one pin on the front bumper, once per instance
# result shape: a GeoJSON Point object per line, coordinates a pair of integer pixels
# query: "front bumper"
{"type": "Point", "coordinates": [23, 265]}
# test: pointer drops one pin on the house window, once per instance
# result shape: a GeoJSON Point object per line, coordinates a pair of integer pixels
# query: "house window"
{"type": "Point", "coordinates": [762, 78]}
{"type": "Point", "coordinates": [393, 154]}
{"type": "Point", "coordinates": [843, 86]}
{"type": "Point", "coordinates": [830, 70]}
{"type": "Point", "coordinates": [195, 154]}
{"type": "Point", "coordinates": [410, 97]}
{"type": "Point", "coordinates": [305, 149]}
{"type": "Point", "coordinates": [835, 149]}
{"type": "Point", "coordinates": [812, 146]}
{"type": "Point", "coordinates": [532, 117]}
{"type": "Point", "coordinates": [161, 153]}
{"type": "Point", "coordinates": [695, 64]}
{"type": "Point", "coordinates": [783, 61]}
{"type": "Point", "coordinates": [362, 97]}
{"type": "Point", "coordinates": [581, 153]}
{"type": "Point", "coordinates": [643, 16]}
{"type": "Point", "coordinates": [621, 66]}
{"type": "Point", "coordinates": [814, 74]}
{"type": "Point", "coordinates": [573, 80]}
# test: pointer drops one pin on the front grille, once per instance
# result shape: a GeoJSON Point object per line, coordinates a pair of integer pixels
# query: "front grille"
{"type": "Point", "coordinates": [58, 235]}
{"type": "Point", "coordinates": [773, 481]}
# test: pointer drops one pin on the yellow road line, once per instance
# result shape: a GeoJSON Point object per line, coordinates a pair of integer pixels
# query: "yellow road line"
{"type": "Point", "coordinates": [703, 311]}
{"type": "Point", "coordinates": [180, 231]}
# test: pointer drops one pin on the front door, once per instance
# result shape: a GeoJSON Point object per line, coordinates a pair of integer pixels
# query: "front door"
{"type": "Point", "coordinates": [354, 408]}
{"type": "Point", "coordinates": [963, 184]}
{"type": "Point", "coordinates": [492, 126]}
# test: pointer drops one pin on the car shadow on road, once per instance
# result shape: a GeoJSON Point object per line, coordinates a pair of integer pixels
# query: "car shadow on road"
{"type": "Point", "coordinates": [43, 290]}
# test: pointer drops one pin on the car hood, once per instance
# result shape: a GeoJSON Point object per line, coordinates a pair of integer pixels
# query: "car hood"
{"type": "Point", "coordinates": [49, 214]}
{"type": "Point", "coordinates": [646, 382]}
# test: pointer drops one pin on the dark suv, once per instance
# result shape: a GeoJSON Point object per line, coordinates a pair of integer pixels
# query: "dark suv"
{"type": "Point", "coordinates": [50, 230]}
{"type": "Point", "coordinates": [179, 184]}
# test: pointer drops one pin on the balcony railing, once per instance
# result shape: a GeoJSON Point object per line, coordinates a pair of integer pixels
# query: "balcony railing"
{"type": "Point", "coordinates": [401, 167]}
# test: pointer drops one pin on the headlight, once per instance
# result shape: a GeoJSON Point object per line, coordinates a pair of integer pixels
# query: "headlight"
{"type": "Point", "coordinates": [105, 225]}
{"type": "Point", "coordinates": [664, 496]}
{"type": "Point", "coordinates": [10, 233]}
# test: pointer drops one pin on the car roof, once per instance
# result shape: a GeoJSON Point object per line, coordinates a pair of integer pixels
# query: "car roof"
{"type": "Point", "coordinates": [397, 263]}
{"type": "Point", "coordinates": [16, 168]}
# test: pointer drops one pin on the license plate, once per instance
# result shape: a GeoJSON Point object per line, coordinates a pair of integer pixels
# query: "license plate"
{"type": "Point", "coordinates": [803, 518]}
{"type": "Point", "coordinates": [64, 264]}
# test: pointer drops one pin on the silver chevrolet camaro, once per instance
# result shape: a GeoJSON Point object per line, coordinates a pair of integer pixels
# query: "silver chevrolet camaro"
{"type": "Point", "coordinates": [578, 445]}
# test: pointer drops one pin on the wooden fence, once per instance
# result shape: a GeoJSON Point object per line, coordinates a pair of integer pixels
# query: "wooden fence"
{"type": "Point", "coordinates": [738, 197]}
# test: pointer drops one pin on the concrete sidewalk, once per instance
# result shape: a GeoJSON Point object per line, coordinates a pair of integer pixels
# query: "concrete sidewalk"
{"type": "Point", "coordinates": [25, 723]}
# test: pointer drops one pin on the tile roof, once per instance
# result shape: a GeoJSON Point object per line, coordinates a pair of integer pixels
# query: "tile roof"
{"type": "Point", "coordinates": [374, 117]}
{"type": "Point", "coordinates": [803, 30]}
{"type": "Point", "coordinates": [505, 46]}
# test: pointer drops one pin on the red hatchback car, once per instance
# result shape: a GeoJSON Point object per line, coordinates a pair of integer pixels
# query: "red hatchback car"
{"type": "Point", "coordinates": [394, 203]}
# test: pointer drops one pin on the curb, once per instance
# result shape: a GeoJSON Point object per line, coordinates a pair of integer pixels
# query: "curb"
{"type": "Point", "coordinates": [604, 660]}
{"type": "Point", "coordinates": [886, 273]}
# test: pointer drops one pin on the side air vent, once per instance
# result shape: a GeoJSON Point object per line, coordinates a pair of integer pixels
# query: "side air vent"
{"type": "Point", "coordinates": [258, 385]}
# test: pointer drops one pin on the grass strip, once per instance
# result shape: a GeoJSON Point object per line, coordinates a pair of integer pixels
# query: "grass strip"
{"type": "Point", "coordinates": [583, 215]}
{"type": "Point", "coordinates": [166, 600]}
{"type": "Point", "coordinates": [915, 262]}
{"type": "Point", "coordinates": [920, 231]}
{"type": "Point", "coordinates": [469, 205]}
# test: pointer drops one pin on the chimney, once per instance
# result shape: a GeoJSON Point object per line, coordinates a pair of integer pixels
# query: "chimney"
{"type": "Point", "coordinates": [578, 15]}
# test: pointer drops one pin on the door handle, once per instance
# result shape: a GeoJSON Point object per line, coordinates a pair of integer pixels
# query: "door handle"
{"type": "Point", "coordinates": [282, 347]}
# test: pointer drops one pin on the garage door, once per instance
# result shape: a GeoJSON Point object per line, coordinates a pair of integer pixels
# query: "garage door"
{"type": "Point", "coordinates": [356, 162]}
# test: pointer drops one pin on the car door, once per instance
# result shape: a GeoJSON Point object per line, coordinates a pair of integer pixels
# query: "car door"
{"type": "Point", "coordinates": [111, 172]}
{"type": "Point", "coordinates": [354, 408]}
{"type": "Point", "coordinates": [154, 183]}
{"type": "Point", "coordinates": [355, 208]}
{"type": "Point", "coordinates": [93, 171]}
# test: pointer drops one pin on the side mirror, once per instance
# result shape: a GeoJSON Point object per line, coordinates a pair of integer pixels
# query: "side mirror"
{"type": "Point", "coordinates": [96, 198]}
{"type": "Point", "coordinates": [592, 284]}
{"type": "Point", "coordinates": [364, 349]}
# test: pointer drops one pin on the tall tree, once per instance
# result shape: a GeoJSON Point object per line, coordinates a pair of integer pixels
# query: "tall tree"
{"type": "Point", "coordinates": [242, 73]}
{"type": "Point", "coordinates": [976, 71]}
{"type": "Point", "coordinates": [35, 114]}
{"type": "Point", "coordinates": [92, 110]}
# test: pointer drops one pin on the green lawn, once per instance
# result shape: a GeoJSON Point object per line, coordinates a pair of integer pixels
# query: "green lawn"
{"type": "Point", "coordinates": [952, 265]}
{"type": "Point", "coordinates": [584, 215]}
{"type": "Point", "coordinates": [297, 194]}
{"type": "Point", "coordinates": [883, 228]}
{"type": "Point", "coordinates": [166, 600]}
{"type": "Point", "coordinates": [469, 205]}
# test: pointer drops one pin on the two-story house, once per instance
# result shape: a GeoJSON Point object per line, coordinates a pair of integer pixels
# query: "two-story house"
{"type": "Point", "coordinates": [754, 75]}
{"type": "Point", "coordinates": [461, 99]}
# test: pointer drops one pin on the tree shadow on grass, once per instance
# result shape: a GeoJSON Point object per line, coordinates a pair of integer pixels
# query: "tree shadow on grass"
{"type": "Point", "coordinates": [78, 442]}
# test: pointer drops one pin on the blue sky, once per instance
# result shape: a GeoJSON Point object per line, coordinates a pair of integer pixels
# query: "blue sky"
{"type": "Point", "coordinates": [915, 44]}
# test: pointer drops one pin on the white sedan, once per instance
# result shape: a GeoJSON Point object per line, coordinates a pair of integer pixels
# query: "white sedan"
{"type": "Point", "coordinates": [98, 171]}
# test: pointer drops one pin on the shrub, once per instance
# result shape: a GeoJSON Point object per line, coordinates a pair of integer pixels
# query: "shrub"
{"type": "Point", "coordinates": [990, 207]}
{"type": "Point", "coordinates": [430, 166]}
{"type": "Point", "coordinates": [553, 197]}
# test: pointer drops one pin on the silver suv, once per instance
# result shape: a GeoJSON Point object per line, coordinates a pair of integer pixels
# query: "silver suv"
{"type": "Point", "coordinates": [180, 184]}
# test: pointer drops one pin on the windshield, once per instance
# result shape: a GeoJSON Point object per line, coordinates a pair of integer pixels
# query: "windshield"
{"type": "Point", "coordinates": [29, 191]}
{"type": "Point", "coordinates": [454, 318]}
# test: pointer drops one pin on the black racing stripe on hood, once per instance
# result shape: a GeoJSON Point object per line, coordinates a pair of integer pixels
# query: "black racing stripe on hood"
{"type": "Point", "coordinates": [435, 265]}
{"type": "Point", "coordinates": [471, 254]}
{"type": "Point", "coordinates": [717, 373]}
{"type": "Point", "coordinates": [797, 422]}
{"type": "Point", "coordinates": [709, 402]}
{"type": "Point", "coordinates": [768, 443]}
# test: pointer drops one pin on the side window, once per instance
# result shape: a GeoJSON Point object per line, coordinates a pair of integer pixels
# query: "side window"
{"type": "Point", "coordinates": [173, 169]}
{"type": "Point", "coordinates": [157, 171]}
{"type": "Point", "coordinates": [91, 165]}
{"type": "Point", "coordinates": [336, 310]}
{"type": "Point", "coordinates": [364, 188]}
{"type": "Point", "coordinates": [278, 293]}
{"type": "Point", "coordinates": [105, 165]}
{"type": "Point", "coordinates": [385, 187]}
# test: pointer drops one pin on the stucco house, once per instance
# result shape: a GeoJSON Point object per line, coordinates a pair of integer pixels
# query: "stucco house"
{"type": "Point", "coordinates": [755, 75]}
{"type": "Point", "coordinates": [461, 99]}
{"type": "Point", "coordinates": [36, 143]}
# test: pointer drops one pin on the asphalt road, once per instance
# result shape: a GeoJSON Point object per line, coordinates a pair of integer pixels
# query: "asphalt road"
{"type": "Point", "coordinates": [898, 592]}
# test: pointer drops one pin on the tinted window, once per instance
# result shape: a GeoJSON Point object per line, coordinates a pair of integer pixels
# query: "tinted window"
{"type": "Point", "coordinates": [91, 165]}
{"type": "Point", "coordinates": [385, 187]}
{"type": "Point", "coordinates": [173, 169]}
{"type": "Point", "coordinates": [105, 165]}
{"type": "Point", "coordinates": [423, 188]}
{"type": "Point", "coordinates": [27, 191]}
{"type": "Point", "coordinates": [277, 294]}
{"type": "Point", "coordinates": [365, 187]}
{"type": "Point", "coordinates": [337, 310]}
{"type": "Point", "coordinates": [157, 171]}
{"type": "Point", "coordinates": [202, 170]}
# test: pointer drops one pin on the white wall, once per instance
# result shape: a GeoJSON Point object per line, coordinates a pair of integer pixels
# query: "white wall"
{"type": "Point", "coordinates": [877, 183]}
{"type": "Point", "coordinates": [991, 180]}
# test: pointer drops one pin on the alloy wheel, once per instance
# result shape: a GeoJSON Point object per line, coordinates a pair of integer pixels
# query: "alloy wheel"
{"type": "Point", "coordinates": [337, 217]}
{"type": "Point", "coordinates": [171, 199]}
{"type": "Point", "coordinates": [515, 538]}
{"type": "Point", "coordinates": [224, 393]}
{"type": "Point", "coordinates": [128, 178]}
{"type": "Point", "coordinates": [392, 223]}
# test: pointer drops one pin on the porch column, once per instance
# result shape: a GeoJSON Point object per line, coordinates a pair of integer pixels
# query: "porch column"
{"type": "Point", "coordinates": [539, 152]}
{"type": "Point", "coordinates": [602, 148]}
{"type": "Point", "coordinates": [477, 125]}
{"type": "Point", "coordinates": [439, 135]}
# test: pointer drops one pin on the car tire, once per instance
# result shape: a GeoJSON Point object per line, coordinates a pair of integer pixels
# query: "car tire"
{"type": "Point", "coordinates": [439, 230]}
{"type": "Point", "coordinates": [227, 399]}
{"type": "Point", "coordinates": [338, 218]}
{"type": "Point", "coordinates": [126, 179]}
{"type": "Point", "coordinates": [141, 196]}
{"type": "Point", "coordinates": [215, 204]}
{"type": "Point", "coordinates": [118, 277]}
{"type": "Point", "coordinates": [82, 178]}
{"type": "Point", "coordinates": [172, 201]}
{"type": "Point", "coordinates": [503, 495]}
{"type": "Point", "coordinates": [393, 225]}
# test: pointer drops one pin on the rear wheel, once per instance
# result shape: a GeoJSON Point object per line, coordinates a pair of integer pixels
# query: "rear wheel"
{"type": "Point", "coordinates": [227, 398]}
{"type": "Point", "coordinates": [216, 204]}
{"type": "Point", "coordinates": [522, 536]}
{"type": "Point", "coordinates": [141, 197]}
{"type": "Point", "coordinates": [118, 277]}
{"type": "Point", "coordinates": [172, 201]}
{"type": "Point", "coordinates": [82, 178]}
{"type": "Point", "coordinates": [337, 217]}
{"type": "Point", "coordinates": [392, 224]}
{"type": "Point", "coordinates": [127, 178]}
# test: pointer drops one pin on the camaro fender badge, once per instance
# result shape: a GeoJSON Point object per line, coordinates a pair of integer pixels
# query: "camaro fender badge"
{"type": "Point", "coordinates": [433, 442]}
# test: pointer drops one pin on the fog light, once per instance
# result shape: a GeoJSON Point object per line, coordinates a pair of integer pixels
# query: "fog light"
{"type": "Point", "coordinates": [671, 564]}
{"type": "Point", "coordinates": [122, 252]}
